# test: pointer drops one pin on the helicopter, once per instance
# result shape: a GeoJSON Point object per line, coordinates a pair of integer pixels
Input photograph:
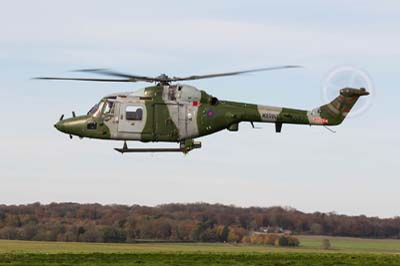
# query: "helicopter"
{"type": "Point", "coordinates": [174, 112]}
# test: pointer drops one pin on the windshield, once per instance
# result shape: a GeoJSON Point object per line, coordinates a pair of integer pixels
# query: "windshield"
{"type": "Point", "coordinates": [95, 110]}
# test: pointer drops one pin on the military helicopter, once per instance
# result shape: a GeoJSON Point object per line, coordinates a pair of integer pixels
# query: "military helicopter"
{"type": "Point", "coordinates": [179, 113]}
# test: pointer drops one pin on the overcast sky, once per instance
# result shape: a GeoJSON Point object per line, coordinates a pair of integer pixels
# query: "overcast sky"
{"type": "Point", "coordinates": [354, 171]}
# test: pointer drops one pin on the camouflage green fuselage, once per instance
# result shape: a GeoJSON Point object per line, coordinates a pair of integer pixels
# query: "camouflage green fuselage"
{"type": "Point", "coordinates": [175, 113]}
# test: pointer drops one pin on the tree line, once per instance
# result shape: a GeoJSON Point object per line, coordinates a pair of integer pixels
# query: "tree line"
{"type": "Point", "coordinates": [177, 222]}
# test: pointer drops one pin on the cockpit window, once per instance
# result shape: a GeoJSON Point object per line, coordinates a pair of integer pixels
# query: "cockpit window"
{"type": "Point", "coordinates": [134, 113]}
{"type": "Point", "coordinates": [109, 108]}
{"type": "Point", "coordinates": [95, 110]}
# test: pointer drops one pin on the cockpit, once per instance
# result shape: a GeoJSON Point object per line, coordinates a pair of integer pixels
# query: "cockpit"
{"type": "Point", "coordinates": [105, 106]}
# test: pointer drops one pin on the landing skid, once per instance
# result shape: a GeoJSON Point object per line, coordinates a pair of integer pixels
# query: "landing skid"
{"type": "Point", "coordinates": [185, 147]}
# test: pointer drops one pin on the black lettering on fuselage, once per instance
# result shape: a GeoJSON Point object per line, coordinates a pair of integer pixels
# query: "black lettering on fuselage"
{"type": "Point", "coordinates": [270, 116]}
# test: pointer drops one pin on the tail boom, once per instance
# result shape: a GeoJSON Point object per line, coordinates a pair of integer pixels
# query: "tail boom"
{"type": "Point", "coordinates": [332, 113]}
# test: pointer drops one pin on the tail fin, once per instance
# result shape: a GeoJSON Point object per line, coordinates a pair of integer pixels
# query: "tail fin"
{"type": "Point", "coordinates": [335, 112]}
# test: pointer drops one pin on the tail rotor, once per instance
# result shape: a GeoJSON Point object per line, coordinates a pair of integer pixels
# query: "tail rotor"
{"type": "Point", "coordinates": [345, 77]}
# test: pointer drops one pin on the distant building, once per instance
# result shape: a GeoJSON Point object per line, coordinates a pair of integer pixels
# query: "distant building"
{"type": "Point", "coordinates": [272, 230]}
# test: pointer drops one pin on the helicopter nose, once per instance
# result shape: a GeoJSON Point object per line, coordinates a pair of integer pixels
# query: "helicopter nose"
{"type": "Point", "coordinates": [60, 126]}
{"type": "Point", "coordinates": [73, 126]}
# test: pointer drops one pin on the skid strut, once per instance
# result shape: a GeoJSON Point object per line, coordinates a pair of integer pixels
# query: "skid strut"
{"type": "Point", "coordinates": [184, 147]}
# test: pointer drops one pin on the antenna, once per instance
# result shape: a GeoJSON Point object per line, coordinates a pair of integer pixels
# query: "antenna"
{"type": "Point", "coordinates": [329, 129]}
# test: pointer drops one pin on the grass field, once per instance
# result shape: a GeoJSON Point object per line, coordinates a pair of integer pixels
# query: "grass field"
{"type": "Point", "coordinates": [344, 251]}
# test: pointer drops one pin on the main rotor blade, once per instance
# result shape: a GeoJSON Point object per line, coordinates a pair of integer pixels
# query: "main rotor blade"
{"type": "Point", "coordinates": [162, 78]}
{"type": "Point", "coordinates": [119, 74]}
{"type": "Point", "coordinates": [86, 79]}
{"type": "Point", "coordinates": [231, 73]}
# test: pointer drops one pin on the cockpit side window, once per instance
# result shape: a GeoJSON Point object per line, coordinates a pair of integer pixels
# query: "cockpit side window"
{"type": "Point", "coordinates": [134, 113]}
{"type": "Point", "coordinates": [109, 108]}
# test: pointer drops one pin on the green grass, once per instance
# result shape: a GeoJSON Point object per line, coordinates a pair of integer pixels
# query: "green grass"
{"type": "Point", "coordinates": [345, 251]}
{"type": "Point", "coordinates": [194, 259]}
{"type": "Point", "coordinates": [308, 244]}
{"type": "Point", "coordinates": [349, 244]}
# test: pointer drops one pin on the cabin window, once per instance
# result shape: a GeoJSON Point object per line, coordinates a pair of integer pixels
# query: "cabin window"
{"type": "Point", "coordinates": [134, 113]}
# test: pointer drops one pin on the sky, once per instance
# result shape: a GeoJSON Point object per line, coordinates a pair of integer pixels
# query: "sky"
{"type": "Point", "coordinates": [353, 171]}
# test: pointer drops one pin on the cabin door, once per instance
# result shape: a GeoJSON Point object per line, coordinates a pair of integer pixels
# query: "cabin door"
{"type": "Point", "coordinates": [132, 118]}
